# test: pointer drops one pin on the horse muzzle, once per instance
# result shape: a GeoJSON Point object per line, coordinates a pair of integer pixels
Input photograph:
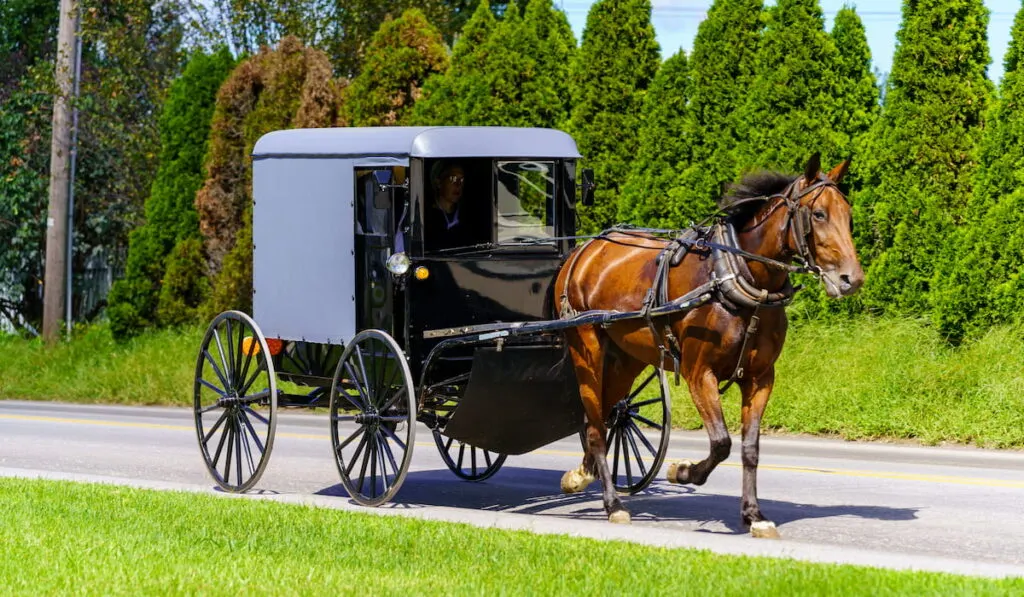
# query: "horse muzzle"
{"type": "Point", "coordinates": [842, 283]}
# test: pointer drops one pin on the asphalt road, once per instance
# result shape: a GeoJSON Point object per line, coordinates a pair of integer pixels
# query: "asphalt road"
{"type": "Point", "coordinates": [950, 509]}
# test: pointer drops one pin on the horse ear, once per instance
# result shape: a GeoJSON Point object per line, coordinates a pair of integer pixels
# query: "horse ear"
{"type": "Point", "coordinates": [836, 174]}
{"type": "Point", "coordinates": [813, 167]}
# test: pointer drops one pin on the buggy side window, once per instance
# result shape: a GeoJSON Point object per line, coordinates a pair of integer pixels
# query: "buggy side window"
{"type": "Point", "coordinates": [525, 202]}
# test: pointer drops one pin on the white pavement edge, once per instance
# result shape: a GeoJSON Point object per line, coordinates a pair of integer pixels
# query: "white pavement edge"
{"type": "Point", "coordinates": [645, 535]}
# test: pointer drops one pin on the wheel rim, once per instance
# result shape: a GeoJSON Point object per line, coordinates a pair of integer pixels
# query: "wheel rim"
{"type": "Point", "coordinates": [373, 409]}
{"type": "Point", "coordinates": [466, 461]}
{"type": "Point", "coordinates": [235, 401]}
{"type": "Point", "coordinates": [635, 457]}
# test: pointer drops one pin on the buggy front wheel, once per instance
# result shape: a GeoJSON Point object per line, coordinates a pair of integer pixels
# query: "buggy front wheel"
{"type": "Point", "coordinates": [373, 417]}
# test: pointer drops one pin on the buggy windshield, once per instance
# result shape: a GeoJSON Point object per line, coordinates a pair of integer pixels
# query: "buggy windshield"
{"type": "Point", "coordinates": [525, 201]}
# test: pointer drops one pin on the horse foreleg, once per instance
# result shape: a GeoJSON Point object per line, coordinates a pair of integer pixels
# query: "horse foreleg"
{"type": "Point", "coordinates": [704, 391]}
{"type": "Point", "coordinates": [755, 398]}
{"type": "Point", "coordinates": [586, 352]}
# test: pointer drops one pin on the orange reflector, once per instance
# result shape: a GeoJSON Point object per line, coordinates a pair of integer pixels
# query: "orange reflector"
{"type": "Point", "coordinates": [274, 346]}
{"type": "Point", "coordinates": [250, 346]}
{"type": "Point", "coordinates": [421, 273]}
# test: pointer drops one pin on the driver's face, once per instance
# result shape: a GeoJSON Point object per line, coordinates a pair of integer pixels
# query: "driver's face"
{"type": "Point", "coordinates": [452, 181]}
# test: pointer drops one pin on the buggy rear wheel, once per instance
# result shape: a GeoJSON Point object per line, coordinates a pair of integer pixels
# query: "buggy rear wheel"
{"type": "Point", "coordinates": [235, 401]}
{"type": "Point", "coordinates": [466, 461]}
{"type": "Point", "coordinates": [373, 417]}
{"type": "Point", "coordinates": [638, 434]}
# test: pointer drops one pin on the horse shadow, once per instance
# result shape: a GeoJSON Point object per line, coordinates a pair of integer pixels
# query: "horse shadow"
{"type": "Point", "coordinates": [536, 492]}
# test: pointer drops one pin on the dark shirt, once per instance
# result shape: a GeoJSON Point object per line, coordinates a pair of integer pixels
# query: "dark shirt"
{"type": "Point", "coordinates": [443, 230]}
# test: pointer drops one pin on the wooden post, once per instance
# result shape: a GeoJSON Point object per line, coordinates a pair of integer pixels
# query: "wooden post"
{"type": "Point", "coordinates": [60, 147]}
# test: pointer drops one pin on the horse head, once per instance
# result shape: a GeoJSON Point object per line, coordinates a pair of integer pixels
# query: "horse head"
{"type": "Point", "coordinates": [821, 225]}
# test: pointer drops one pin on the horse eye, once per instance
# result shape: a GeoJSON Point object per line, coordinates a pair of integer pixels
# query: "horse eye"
{"type": "Point", "coordinates": [819, 215]}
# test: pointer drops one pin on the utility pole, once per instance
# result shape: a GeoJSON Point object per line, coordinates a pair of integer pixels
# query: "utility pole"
{"type": "Point", "coordinates": [60, 148]}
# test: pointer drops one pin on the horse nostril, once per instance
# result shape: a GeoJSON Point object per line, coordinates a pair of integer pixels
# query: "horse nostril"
{"type": "Point", "coordinates": [845, 279]}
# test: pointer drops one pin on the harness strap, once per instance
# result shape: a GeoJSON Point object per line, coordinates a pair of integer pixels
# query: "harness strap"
{"type": "Point", "coordinates": [750, 332]}
{"type": "Point", "coordinates": [565, 310]}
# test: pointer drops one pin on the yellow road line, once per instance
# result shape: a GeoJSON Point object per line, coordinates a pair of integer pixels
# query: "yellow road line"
{"type": "Point", "coordinates": [579, 454]}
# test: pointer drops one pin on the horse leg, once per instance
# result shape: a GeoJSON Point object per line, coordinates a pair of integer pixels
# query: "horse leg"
{"type": "Point", "coordinates": [590, 374]}
{"type": "Point", "coordinates": [755, 398]}
{"type": "Point", "coordinates": [704, 390]}
{"type": "Point", "coordinates": [587, 355]}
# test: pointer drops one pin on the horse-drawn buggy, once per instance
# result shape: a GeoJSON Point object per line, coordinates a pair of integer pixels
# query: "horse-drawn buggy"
{"type": "Point", "coordinates": [431, 276]}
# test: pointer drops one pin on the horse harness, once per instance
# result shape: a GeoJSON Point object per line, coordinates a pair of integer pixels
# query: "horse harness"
{"type": "Point", "coordinates": [731, 277]}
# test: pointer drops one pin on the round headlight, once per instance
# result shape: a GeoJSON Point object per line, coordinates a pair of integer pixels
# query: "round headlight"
{"type": "Point", "coordinates": [398, 264]}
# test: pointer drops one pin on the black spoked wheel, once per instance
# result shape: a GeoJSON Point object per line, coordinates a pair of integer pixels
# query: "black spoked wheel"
{"type": "Point", "coordinates": [235, 401]}
{"type": "Point", "coordinates": [638, 433]}
{"type": "Point", "coordinates": [373, 417]}
{"type": "Point", "coordinates": [466, 461]}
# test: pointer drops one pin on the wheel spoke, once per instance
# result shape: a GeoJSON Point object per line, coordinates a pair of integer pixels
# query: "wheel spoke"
{"type": "Point", "coordinates": [359, 388]}
{"type": "Point", "coordinates": [229, 369]}
{"type": "Point", "coordinates": [365, 392]}
{"type": "Point", "coordinates": [390, 454]}
{"type": "Point", "coordinates": [261, 367]}
{"type": "Point", "coordinates": [355, 456]}
{"type": "Point", "coordinates": [643, 438]}
{"type": "Point", "coordinates": [641, 387]}
{"type": "Point", "coordinates": [636, 454]}
{"type": "Point", "coordinates": [252, 431]}
{"type": "Point", "coordinates": [394, 437]}
{"type": "Point", "coordinates": [212, 387]}
{"type": "Point", "coordinates": [343, 418]}
{"type": "Point", "coordinates": [373, 466]}
{"type": "Point", "coordinates": [394, 399]}
{"type": "Point", "coordinates": [646, 421]}
{"type": "Point", "coordinates": [223, 359]}
{"type": "Point", "coordinates": [615, 459]}
{"type": "Point", "coordinates": [256, 415]}
{"type": "Point", "coordinates": [487, 458]}
{"type": "Point", "coordinates": [625, 457]}
{"type": "Point", "coordinates": [244, 370]}
{"type": "Point", "coordinates": [216, 369]}
{"type": "Point", "coordinates": [472, 459]}
{"type": "Point", "coordinates": [238, 351]}
{"type": "Point", "coordinates": [383, 465]}
{"type": "Point", "coordinates": [348, 441]}
{"type": "Point", "coordinates": [637, 405]}
{"type": "Point", "coordinates": [230, 427]}
{"type": "Point", "coordinates": [223, 436]}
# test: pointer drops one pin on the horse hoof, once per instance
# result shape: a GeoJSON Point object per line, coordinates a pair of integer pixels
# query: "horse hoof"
{"type": "Point", "coordinates": [674, 468]}
{"type": "Point", "coordinates": [764, 529]}
{"type": "Point", "coordinates": [620, 517]}
{"type": "Point", "coordinates": [576, 481]}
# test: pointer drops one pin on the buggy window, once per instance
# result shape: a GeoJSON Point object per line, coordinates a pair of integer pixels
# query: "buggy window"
{"type": "Point", "coordinates": [525, 201]}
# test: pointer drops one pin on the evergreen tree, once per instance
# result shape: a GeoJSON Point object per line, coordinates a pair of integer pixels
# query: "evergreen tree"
{"type": "Point", "coordinates": [856, 88]}
{"type": "Point", "coordinates": [170, 215]}
{"type": "Point", "coordinates": [400, 57]}
{"type": "Point", "coordinates": [985, 285]}
{"type": "Point", "coordinates": [646, 194]}
{"type": "Point", "coordinates": [721, 69]}
{"type": "Point", "coordinates": [790, 107]}
{"type": "Point", "coordinates": [445, 95]}
{"type": "Point", "coordinates": [923, 152]}
{"type": "Point", "coordinates": [287, 87]}
{"type": "Point", "coordinates": [609, 76]}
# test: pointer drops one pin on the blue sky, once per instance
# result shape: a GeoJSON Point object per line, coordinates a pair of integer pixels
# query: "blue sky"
{"type": "Point", "coordinates": [676, 21]}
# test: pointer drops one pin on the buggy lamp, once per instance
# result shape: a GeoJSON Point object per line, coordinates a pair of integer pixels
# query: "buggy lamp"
{"type": "Point", "coordinates": [421, 273]}
{"type": "Point", "coordinates": [398, 264]}
{"type": "Point", "coordinates": [251, 346]}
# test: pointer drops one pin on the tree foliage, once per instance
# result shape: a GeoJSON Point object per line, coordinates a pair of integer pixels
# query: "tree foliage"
{"type": "Point", "coordinates": [856, 92]}
{"type": "Point", "coordinates": [923, 152]}
{"type": "Point", "coordinates": [983, 285]}
{"type": "Point", "coordinates": [790, 107]}
{"type": "Point", "coordinates": [170, 213]}
{"type": "Point", "coordinates": [400, 57]}
{"type": "Point", "coordinates": [721, 69]}
{"type": "Point", "coordinates": [287, 87]}
{"type": "Point", "coordinates": [647, 196]}
{"type": "Point", "coordinates": [608, 78]}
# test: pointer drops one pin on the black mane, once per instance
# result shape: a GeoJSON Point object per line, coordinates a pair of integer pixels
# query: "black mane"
{"type": "Point", "coordinates": [735, 202]}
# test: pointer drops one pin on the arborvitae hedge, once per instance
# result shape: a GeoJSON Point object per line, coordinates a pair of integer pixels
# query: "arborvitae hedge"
{"type": "Point", "coordinates": [789, 112]}
{"type": "Point", "coordinates": [985, 285]}
{"type": "Point", "coordinates": [647, 195]}
{"type": "Point", "coordinates": [170, 215]}
{"type": "Point", "coordinates": [290, 87]}
{"type": "Point", "coordinates": [857, 105]}
{"type": "Point", "coordinates": [446, 95]}
{"type": "Point", "coordinates": [923, 152]}
{"type": "Point", "coordinates": [721, 69]}
{"type": "Point", "coordinates": [400, 57]}
{"type": "Point", "coordinates": [609, 75]}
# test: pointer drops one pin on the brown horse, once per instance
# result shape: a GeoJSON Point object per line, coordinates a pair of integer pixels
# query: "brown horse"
{"type": "Point", "coordinates": [769, 222]}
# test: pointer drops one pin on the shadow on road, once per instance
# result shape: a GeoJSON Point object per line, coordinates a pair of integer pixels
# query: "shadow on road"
{"type": "Point", "coordinates": [536, 491]}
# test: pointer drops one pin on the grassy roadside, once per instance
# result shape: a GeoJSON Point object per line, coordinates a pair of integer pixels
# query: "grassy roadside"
{"type": "Point", "coordinates": [861, 379]}
{"type": "Point", "coordinates": [62, 538]}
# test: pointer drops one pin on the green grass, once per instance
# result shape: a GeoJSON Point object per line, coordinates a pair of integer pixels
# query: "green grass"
{"type": "Point", "coordinates": [66, 538]}
{"type": "Point", "coordinates": [891, 379]}
{"type": "Point", "coordinates": [860, 379]}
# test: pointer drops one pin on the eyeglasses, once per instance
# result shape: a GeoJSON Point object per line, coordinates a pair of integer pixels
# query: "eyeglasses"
{"type": "Point", "coordinates": [454, 179]}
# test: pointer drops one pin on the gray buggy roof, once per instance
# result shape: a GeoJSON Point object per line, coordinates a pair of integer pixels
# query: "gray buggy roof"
{"type": "Point", "coordinates": [417, 142]}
